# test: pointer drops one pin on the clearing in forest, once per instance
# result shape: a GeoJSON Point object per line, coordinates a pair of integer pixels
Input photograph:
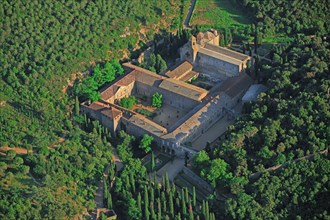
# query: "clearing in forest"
{"type": "Point", "coordinates": [218, 14]}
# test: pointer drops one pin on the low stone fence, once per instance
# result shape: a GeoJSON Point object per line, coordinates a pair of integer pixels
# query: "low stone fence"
{"type": "Point", "coordinates": [198, 181]}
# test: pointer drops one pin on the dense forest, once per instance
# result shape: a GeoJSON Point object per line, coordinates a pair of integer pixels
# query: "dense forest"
{"type": "Point", "coordinates": [287, 125]}
{"type": "Point", "coordinates": [288, 17]}
{"type": "Point", "coordinates": [55, 54]}
{"type": "Point", "coordinates": [45, 45]}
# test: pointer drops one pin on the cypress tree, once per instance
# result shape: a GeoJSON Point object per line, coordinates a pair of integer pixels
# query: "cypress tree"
{"type": "Point", "coordinates": [164, 202]}
{"type": "Point", "coordinates": [152, 161]}
{"type": "Point", "coordinates": [152, 208]}
{"type": "Point", "coordinates": [177, 202]}
{"type": "Point", "coordinates": [186, 194]}
{"type": "Point", "coordinates": [194, 196]}
{"type": "Point", "coordinates": [152, 195]}
{"type": "Point", "coordinates": [167, 184]}
{"type": "Point", "coordinates": [146, 211]}
{"type": "Point", "coordinates": [207, 211]}
{"type": "Point", "coordinates": [139, 201]}
{"type": "Point", "coordinates": [183, 206]}
{"type": "Point", "coordinates": [77, 107]}
{"type": "Point", "coordinates": [159, 208]}
{"type": "Point", "coordinates": [171, 206]}
{"type": "Point", "coordinates": [173, 189]}
{"type": "Point", "coordinates": [146, 197]}
{"type": "Point", "coordinates": [132, 180]}
{"type": "Point", "coordinates": [191, 213]}
{"type": "Point", "coordinates": [203, 209]}
{"type": "Point", "coordinates": [109, 201]}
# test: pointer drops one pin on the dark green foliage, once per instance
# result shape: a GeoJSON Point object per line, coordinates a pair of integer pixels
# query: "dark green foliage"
{"type": "Point", "coordinates": [289, 18]}
{"type": "Point", "coordinates": [155, 63]}
{"type": "Point", "coordinates": [145, 143]}
{"type": "Point", "coordinates": [157, 100]}
{"type": "Point", "coordinates": [128, 102]}
{"type": "Point", "coordinates": [88, 88]}
{"type": "Point", "coordinates": [145, 112]}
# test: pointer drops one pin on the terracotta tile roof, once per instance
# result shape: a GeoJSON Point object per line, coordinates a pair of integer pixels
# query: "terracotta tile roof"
{"type": "Point", "coordinates": [111, 89]}
{"type": "Point", "coordinates": [188, 76]}
{"type": "Point", "coordinates": [145, 76]}
{"type": "Point", "coordinates": [179, 70]}
{"type": "Point", "coordinates": [111, 112]}
{"type": "Point", "coordinates": [96, 106]}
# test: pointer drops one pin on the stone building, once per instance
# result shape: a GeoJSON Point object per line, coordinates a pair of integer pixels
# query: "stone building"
{"type": "Point", "coordinates": [198, 108]}
{"type": "Point", "coordinates": [204, 52]}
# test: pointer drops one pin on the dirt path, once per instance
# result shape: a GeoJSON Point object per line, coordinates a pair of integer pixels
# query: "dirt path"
{"type": "Point", "coordinates": [98, 196]}
{"type": "Point", "coordinates": [283, 165]}
{"type": "Point", "coordinates": [190, 12]}
{"type": "Point", "coordinates": [18, 150]}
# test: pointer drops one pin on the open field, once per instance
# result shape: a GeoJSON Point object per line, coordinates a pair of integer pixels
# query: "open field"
{"type": "Point", "coordinates": [219, 14]}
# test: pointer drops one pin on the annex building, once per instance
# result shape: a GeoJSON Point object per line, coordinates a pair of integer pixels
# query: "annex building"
{"type": "Point", "coordinates": [207, 83]}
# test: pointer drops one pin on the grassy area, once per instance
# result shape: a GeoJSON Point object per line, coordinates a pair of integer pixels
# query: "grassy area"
{"type": "Point", "coordinates": [219, 14]}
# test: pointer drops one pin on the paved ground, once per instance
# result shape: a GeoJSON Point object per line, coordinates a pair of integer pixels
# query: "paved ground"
{"type": "Point", "coordinates": [216, 130]}
{"type": "Point", "coordinates": [211, 134]}
{"type": "Point", "coordinates": [172, 168]}
{"type": "Point", "coordinates": [168, 115]}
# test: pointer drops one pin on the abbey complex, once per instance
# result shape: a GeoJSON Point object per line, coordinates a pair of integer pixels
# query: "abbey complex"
{"type": "Point", "coordinates": [207, 83]}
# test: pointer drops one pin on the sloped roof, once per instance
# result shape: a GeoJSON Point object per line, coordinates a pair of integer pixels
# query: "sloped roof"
{"type": "Point", "coordinates": [111, 112]}
{"type": "Point", "coordinates": [219, 56]}
{"type": "Point", "coordinates": [96, 106]}
{"type": "Point", "coordinates": [148, 125]}
{"type": "Point", "coordinates": [182, 69]}
{"type": "Point", "coordinates": [184, 89]}
{"type": "Point", "coordinates": [253, 92]}
{"type": "Point", "coordinates": [234, 85]}
{"type": "Point", "coordinates": [230, 53]}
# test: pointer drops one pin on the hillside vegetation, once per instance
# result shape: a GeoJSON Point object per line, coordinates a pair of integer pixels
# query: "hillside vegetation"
{"type": "Point", "coordinates": [44, 44]}
{"type": "Point", "coordinates": [288, 122]}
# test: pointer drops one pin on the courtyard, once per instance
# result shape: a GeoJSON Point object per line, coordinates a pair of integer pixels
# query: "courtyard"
{"type": "Point", "coordinates": [166, 116]}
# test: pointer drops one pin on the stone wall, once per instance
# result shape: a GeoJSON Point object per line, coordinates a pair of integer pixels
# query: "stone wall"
{"type": "Point", "coordinates": [216, 66]}
{"type": "Point", "coordinates": [198, 181]}
{"type": "Point", "coordinates": [90, 113]}
{"type": "Point", "coordinates": [169, 98]}
{"type": "Point", "coordinates": [138, 131]}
